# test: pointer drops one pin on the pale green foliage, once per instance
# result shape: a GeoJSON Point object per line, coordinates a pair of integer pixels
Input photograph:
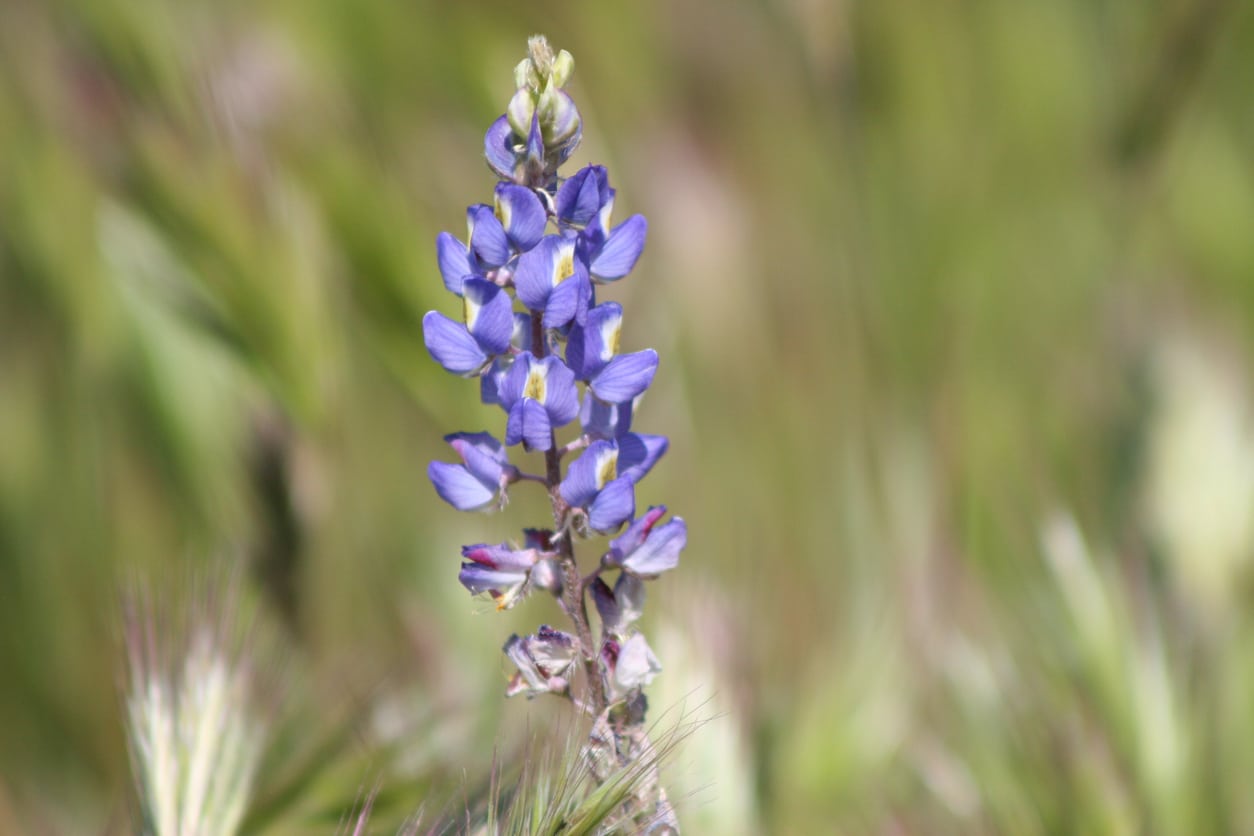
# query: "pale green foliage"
{"type": "Point", "coordinates": [195, 723]}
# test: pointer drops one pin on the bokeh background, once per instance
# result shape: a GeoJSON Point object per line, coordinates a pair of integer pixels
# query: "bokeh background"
{"type": "Point", "coordinates": [954, 302]}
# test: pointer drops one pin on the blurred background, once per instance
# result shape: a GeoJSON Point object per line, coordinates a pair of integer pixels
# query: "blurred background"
{"type": "Point", "coordinates": [954, 302]}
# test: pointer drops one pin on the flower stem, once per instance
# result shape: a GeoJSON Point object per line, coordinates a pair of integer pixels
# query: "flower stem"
{"type": "Point", "coordinates": [573, 599]}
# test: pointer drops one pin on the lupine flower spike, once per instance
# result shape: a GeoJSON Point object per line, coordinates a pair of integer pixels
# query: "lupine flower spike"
{"type": "Point", "coordinates": [530, 329]}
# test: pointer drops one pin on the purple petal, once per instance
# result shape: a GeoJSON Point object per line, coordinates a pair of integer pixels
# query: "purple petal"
{"type": "Point", "coordinates": [535, 143]}
{"type": "Point", "coordinates": [529, 423]}
{"type": "Point", "coordinates": [568, 298]}
{"type": "Point", "coordinates": [587, 295]}
{"type": "Point", "coordinates": [604, 420]}
{"type": "Point", "coordinates": [580, 197]}
{"type": "Point", "coordinates": [533, 278]}
{"type": "Point", "coordinates": [451, 344]}
{"type": "Point", "coordinates": [484, 456]}
{"type": "Point", "coordinates": [498, 147]}
{"type": "Point", "coordinates": [501, 557]}
{"type": "Point", "coordinates": [625, 377]}
{"type": "Point", "coordinates": [521, 337]}
{"type": "Point", "coordinates": [483, 442]}
{"type": "Point", "coordinates": [660, 550]}
{"type": "Point", "coordinates": [637, 453]}
{"type": "Point", "coordinates": [487, 238]}
{"type": "Point", "coordinates": [479, 579]}
{"type": "Point", "coordinates": [490, 381]}
{"type": "Point", "coordinates": [456, 486]}
{"type": "Point", "coordinates": [588, 474]}
{"type": "Point", "coordinates": [606, 606]}
{"type": "Point", "coordinates": [521, 214]}
{"type": "Point", "coordinates": [593, 344]}
{"type": "Point", "coordinates": [620, 251]}
{"type": "Point", "coordinates": [489, 314]}
{"type": "Point", "coordinates": [515, 380]}
{"type": "Point", "coordinates": [561, 398]}
{"type": "Point", "coordinates": [454, 261]}
{"type": "Point", "coordinates": [613, 506]}
{"type": "Point", "coordinates": [568, 147]}
{"type": "Point", "coordinates": [635, 534]}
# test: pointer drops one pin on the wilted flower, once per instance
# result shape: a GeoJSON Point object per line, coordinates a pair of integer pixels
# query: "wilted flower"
{"type": "Point", "coordinates": [543, 660]}
{"type": "Point", "coordinates": [629, 666]}
{"type": "Point", "coordinates": [620, 607]}
{"type": "Point", "coordinates": [645, 550]}
{"type": "Point", "coordinates": [507, 573]}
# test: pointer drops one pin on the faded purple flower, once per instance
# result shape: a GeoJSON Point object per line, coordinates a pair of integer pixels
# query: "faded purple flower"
{"type": "Point", "coordinates": [542, 660]}
{"type": "Point", "coordinates": [646, 549]}
{"type": "Point", "coordinates": [629, 665]}
{"type": "Point", "coordinates": [620, 607]}
{"type": "Point", "coordinates": [506, 573]}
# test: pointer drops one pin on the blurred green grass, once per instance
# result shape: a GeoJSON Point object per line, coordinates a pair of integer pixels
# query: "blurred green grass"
{"type": "Point", "coordinates": [954, 303]}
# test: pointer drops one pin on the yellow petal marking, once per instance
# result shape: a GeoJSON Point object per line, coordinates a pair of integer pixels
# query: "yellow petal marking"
{"type": "Point", "coordinates": [503, 212]}
{"type": "Point", "coordinates": [536, 383]}
{"type": "Point", "coordinates": [611, 331]}
{"type": "Point", "coordinates": [470, 311]}
{"type": "Point", "coordinates": [607, 468]}
{"type": "Point", "coordinates": [564, 267]}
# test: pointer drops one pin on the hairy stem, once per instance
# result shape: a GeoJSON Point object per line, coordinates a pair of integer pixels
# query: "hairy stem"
{"type": "Point", "coordinates": [573, 600]}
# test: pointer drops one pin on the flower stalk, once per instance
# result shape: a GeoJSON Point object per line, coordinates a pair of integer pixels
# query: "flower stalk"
{"type": "Point", "coordinates": [533, 333]}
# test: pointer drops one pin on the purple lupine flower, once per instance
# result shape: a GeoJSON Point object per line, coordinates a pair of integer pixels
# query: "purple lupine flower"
{"type": "Point", "coordinates": [513, 224]}
{"type": "Point", "coordinates": [484, 473]}
{"type": "Point", "coordinates": [468, 348]}
{"type": "Point", "coordinates": [500, 148]}
{"type": "Point", "coordinates": [601, 481]}
{"type": "Point", "coordinates": [531, 363]}
{"type": "Point", "coordinates": [521, 215]}
{"type": "Point", "coordinates": [583, 195]}
{"type": "Point", "coordinates": [625, 377]}
{"type": "Point", "coordinates": [591, 346]}
{"type": "Point", "coordinates": [592, 353]}
{"type": "Point", "coordinates": [488, 243]}
{"type": "Point", "coordinates": [612, 255]}
{"type": "Point", "coordinates": [489, 315]}
{"type": "Point", "coordinates": [456, 262]}
{"type": "Point", "coordinates": [519, 341]}
{"type": "Point", "coordinates": [453, 346]}
{"type": "Point", "coordinates": [553, 279]}
{"type": "Point", "coordinates": [593, 483]}
{"type": "Point", "coordinates": [587, 200]}
{"type": "Point", "coordinates": [637, 453]}
{"type": "Point", "coordinates": [539, 396]}
{"type": "Point", "coordinates": [645, 550]}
